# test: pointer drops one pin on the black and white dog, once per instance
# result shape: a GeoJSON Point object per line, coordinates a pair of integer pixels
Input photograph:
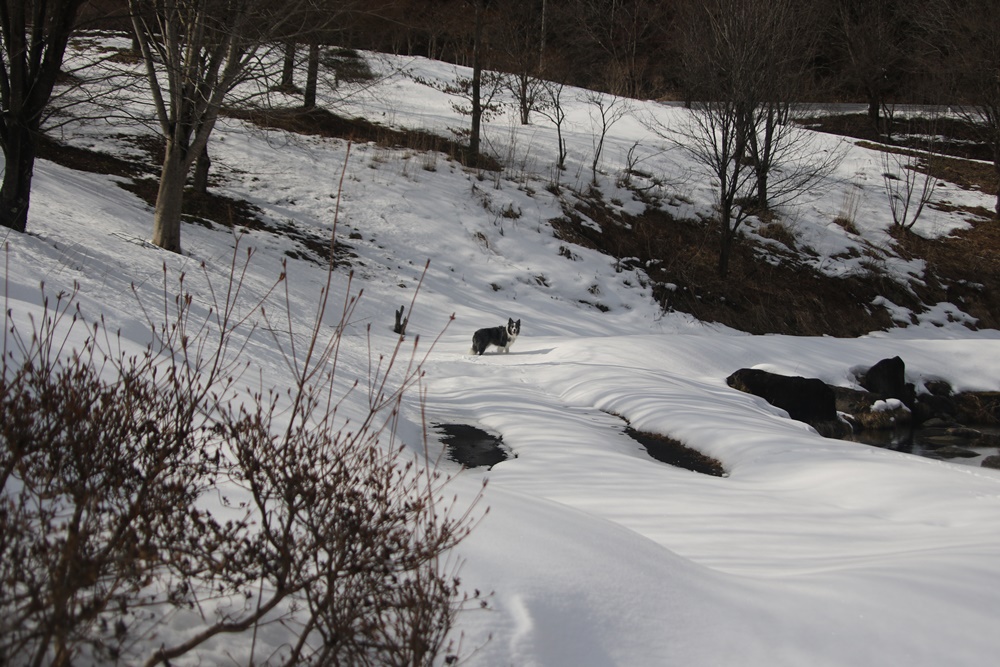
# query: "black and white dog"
{"type": "Point", "coordinates": [502, 337]}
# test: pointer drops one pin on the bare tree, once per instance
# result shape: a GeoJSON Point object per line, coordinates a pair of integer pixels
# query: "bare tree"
{"type": "Point", "coordinates": [627, 34]}
{"type": "Point", "coordinates": [721, 57]}
{"type": "Point", "coordinates": [908, 186]}
{"type": "Point", "coordinates": [554, 110]}
{"type": "Point", "coordinates": [34, 35]}
{"type": "Point", "coordinates": [478, 55]}
{"type": "Point", "coordinates": [197, 52]}
{"type": "Point", "coordinates": [605, 111]}
{"type": "Point", "coordinates": [874, 45]}
{"type": "Point", "coordinates": [743, 60]}
{"type": "Point", "coordinates": [966, 37]}
{"type": "Point", "coordinates": [519, 43]}
{"type": "Point", "coordinates": [715, 136]}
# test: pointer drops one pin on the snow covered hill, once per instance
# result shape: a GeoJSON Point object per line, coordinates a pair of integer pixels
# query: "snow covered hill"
{"type": "Point", "coordinates": [809, 552]}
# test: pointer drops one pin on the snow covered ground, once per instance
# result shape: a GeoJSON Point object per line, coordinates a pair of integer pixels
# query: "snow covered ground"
{"type": "Point", "coordinates": [810, 552]}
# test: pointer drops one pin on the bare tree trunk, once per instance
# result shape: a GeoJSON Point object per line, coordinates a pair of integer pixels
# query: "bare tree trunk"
{"type": "Point", "coordinates": [763, 155]}
{"type": "Point", "coordinates": [201, 169]}
{"type": "Point", "coordinates": [170, 199]}
{"type": "Point", "coordinates": [523, 93]}
{"type": "Point", "coordinates": [996, 168]}
{"type": "Point", "coordinates": [288, 67]}
{"type": "Point", "coordinates": [873, 112]}
{"type": "Point", "coordinates": [33, 38]}
{"type": "Point", "coordinates": [312, 76]}
{"type": "Point", "coordinates": [477, 82]}
{"type": "Point", "coordinates": [541, 40]}
{"type": "Point", "coordinates": [725, 245]}
{"type": "Point", "coordinates": [19, 161]}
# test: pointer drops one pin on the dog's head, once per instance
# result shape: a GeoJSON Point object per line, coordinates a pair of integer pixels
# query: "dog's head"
{"type": "Point", "coordinates": [513, 328]}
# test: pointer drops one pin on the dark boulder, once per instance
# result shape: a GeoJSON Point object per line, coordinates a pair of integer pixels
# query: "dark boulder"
{"type": "Point", "coordinates": [887, 380]}
{"type": "Point", "coordinates": [992, 461]}
{"type": "Point", "coordinates": [806, 400]}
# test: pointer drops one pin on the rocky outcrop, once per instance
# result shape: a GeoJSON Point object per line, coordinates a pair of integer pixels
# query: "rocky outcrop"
{"type": "Point", "coordinates": [806, 400]}
{"type": "Point", "coordinates": [887, 379]}
{"type": "Point", "coordinates": [887, 401]}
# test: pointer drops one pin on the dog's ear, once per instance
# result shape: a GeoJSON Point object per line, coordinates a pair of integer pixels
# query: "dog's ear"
{"type": "Point", "coordinates": [510, 321]}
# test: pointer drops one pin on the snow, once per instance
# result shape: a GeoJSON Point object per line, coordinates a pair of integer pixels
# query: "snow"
{"type": "Point", "coordinates": [809, 552]}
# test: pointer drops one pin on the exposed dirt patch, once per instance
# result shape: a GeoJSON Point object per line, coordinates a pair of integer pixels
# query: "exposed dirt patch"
{"type": "Point", "coordinates": [675, 453]}
{"type": "Point", "coordinates": [320, 122]}
{"type": "Point", "coordinates": [95, 162]}
{"type": "Point", "coordinates": [681, 259]}
{"type": "Point", "coordinates": [965, 267]}
{"type": "Point", "coordinates": [949, 136]}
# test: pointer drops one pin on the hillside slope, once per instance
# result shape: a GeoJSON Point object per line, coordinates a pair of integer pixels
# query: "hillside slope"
{"type": "Point", "coordinates": [809, 550]}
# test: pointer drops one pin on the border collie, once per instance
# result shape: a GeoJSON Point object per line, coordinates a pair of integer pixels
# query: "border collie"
{"type": "Point", "coordinates": [502, 337]}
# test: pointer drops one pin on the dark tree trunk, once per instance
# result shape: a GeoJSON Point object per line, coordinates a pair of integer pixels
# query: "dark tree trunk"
{"type": "Point", "coordinates": [34, 38]}
{"type": "Point", "coordinates": [874, 107]}
{"type": "Point", "coordinates": [996, 168]}
{"type": "Point", "coordinates": [725, 248]}
{"type": "Point", "coordinates": [763, 158]}
{"type": "Point", "coordinates": [477, 82]}
{"type": "Point", "coordinates": [288, 68]}
{"type": "Point", "coordinates": [15, 193]}
{"type": "Point", "coordinates": [201, 168]}
{"type": "Point", "coordinates": [312, 75]}
{"type": "Point", "coordinates": [524, 105]}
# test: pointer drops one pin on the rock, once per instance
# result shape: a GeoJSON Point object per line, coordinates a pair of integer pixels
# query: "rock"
{"type": "Point", "coordinates": [887, 379]}
{"type": "Point", "coordinates": [933, 407]}
{"type": "Point", "coordinates": [988, 440]}
{"type": "Point", "coordinates": [992, 461]}
{"type": "Point", "coordinates": [942, 441]}
{"type": "Point", "coordinates": [857, 407]}
{"type": "Point", "coordinates": [938, 388]}
{"type": "Point", "coordinates": [952, 452]}
{"type": "Point", "coordinates": [808, 400]}
{"type": "Point", "coordinates": [978, 407]}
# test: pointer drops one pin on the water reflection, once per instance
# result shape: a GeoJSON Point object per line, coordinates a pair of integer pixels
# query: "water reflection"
{"type": "Point", "coordinates": [928, 442]}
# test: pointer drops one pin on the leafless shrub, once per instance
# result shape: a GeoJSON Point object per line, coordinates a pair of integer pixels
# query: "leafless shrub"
{"type": "Point", "coordinates": [907, 185]}
{"type": "Point", "coordinates": [552, 109]}
{"type": "Point", "coordinates": [848, 215]}
{"type": "Point", "coordinates": [109, 533]}
{"type": "Point", "coordinates": [604, 111]}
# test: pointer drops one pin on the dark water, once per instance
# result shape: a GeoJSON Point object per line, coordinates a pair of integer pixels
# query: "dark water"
{"type": "Point", "coordinates": [923, 442]}
{"type": "Point", "coordinates": [472, 447]}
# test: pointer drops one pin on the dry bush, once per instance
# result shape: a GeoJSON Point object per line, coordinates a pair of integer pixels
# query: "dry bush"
{"type": "Point", "coordinates": [150, 503]}
{"type": "Point", "coordinates": [778, 231]}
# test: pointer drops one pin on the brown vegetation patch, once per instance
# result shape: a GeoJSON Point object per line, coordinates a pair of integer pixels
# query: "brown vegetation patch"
{"type": "Point", "coordinates": [966, 174]}
{"type": "Point", "coordinates": [95, 162]}
{"type": "Point", "coordinates": [965, 266]}
{"type": "Point", "coordinates": [962, 156]}
{"type": "Point", "coordinates": [320, 122]}
{"type": "Point", "coordinates": [978, 407]}
{"type": "Point", "coordinates": [954, 136]}
{"type": "Point", "coordinates": [681, 259]}
{"type": "Point", "coordinates": [675, 453]}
